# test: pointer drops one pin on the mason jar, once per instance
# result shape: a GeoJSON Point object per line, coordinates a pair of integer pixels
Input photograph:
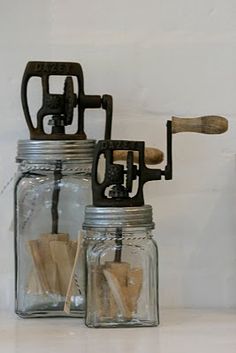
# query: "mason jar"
{"type": "Point", "coordinates": [121, 267]}
{"type": "Point", "coordinates": [51, 191]}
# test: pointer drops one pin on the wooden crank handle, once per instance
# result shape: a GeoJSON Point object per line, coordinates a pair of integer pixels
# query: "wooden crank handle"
{"type": "Point", "coordinates": [204, 124]}
{"type": "Point", "coordinates": [152, 156]}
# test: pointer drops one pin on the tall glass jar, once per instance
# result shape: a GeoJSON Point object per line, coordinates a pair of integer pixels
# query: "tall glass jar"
{"type": "Point", "coordinates": [121, 267]}
{"type": "Point", "coordinates": [51, 191]}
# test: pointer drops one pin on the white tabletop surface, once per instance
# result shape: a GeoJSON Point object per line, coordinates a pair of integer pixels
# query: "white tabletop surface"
{"type": "Point", "coordinates": [181, 331]}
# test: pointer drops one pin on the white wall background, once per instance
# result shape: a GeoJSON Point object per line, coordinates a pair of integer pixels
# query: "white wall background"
{"type": "Point", "coordinates": [157, 58]}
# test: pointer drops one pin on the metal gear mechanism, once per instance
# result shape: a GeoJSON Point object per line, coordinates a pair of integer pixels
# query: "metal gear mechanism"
{"type": "Point", "coordinates": [70, 100]}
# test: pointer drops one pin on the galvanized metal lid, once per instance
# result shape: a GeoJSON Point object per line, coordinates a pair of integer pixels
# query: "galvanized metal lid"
{"type": "Point", "coordinates": [44, 150]}
{"type": "Point", "coordinates": [111, 217]}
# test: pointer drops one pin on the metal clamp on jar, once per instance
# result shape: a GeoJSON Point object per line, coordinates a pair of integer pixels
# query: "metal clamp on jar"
{"type": "Point", "coordinates": [121, 255]}
{"type": "Point", "coordinates": [52, 189]}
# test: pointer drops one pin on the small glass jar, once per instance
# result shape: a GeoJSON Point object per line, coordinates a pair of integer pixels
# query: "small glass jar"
{"type": "Point", "coordinates": [52, 188]}
{"type": "Point", "coordinates": [121, 267]}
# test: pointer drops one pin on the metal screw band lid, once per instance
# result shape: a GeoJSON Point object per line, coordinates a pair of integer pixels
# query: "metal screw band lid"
{"type": "Point", "coordinates": [45, 150]}
{"type": "Point", "coordinates": [111, 217]}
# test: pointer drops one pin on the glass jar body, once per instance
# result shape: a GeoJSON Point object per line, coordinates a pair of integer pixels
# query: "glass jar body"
{"type": "Point", "coordinates": [121, 277]}
{"type": "Point", "coordinates": [49, 203]}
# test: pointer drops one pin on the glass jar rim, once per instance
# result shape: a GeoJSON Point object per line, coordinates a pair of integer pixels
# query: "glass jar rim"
{"type": "Point", "coordinates": [134, 234]}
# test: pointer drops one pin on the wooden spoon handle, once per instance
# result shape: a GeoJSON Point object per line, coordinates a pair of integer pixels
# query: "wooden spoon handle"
{"type": "Point", "coordinates": [205, 124]}
{"type": "Point", "coordinates": [152, 156]}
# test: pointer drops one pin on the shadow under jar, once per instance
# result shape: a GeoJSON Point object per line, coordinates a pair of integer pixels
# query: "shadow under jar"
{"type": "Point", "coordinates": [121, 267]}
{"type": "Point", "coordinates": [52, 188]}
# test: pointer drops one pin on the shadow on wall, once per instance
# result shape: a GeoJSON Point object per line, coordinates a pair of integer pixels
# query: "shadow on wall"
{"type": "Point", "coordinates": [212, 281]}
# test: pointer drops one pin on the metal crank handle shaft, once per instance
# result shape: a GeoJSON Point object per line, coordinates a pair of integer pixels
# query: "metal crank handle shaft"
{"type": "Point", "coordinates": [152, 156]}
{"type": "Point", "coordinates": [204, 124]}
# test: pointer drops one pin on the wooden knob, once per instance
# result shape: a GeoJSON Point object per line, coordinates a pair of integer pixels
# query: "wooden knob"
{"type": "Point", "coordinates": [152, 156]}
{"type": "Point", "coordinates": [205, 124]}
